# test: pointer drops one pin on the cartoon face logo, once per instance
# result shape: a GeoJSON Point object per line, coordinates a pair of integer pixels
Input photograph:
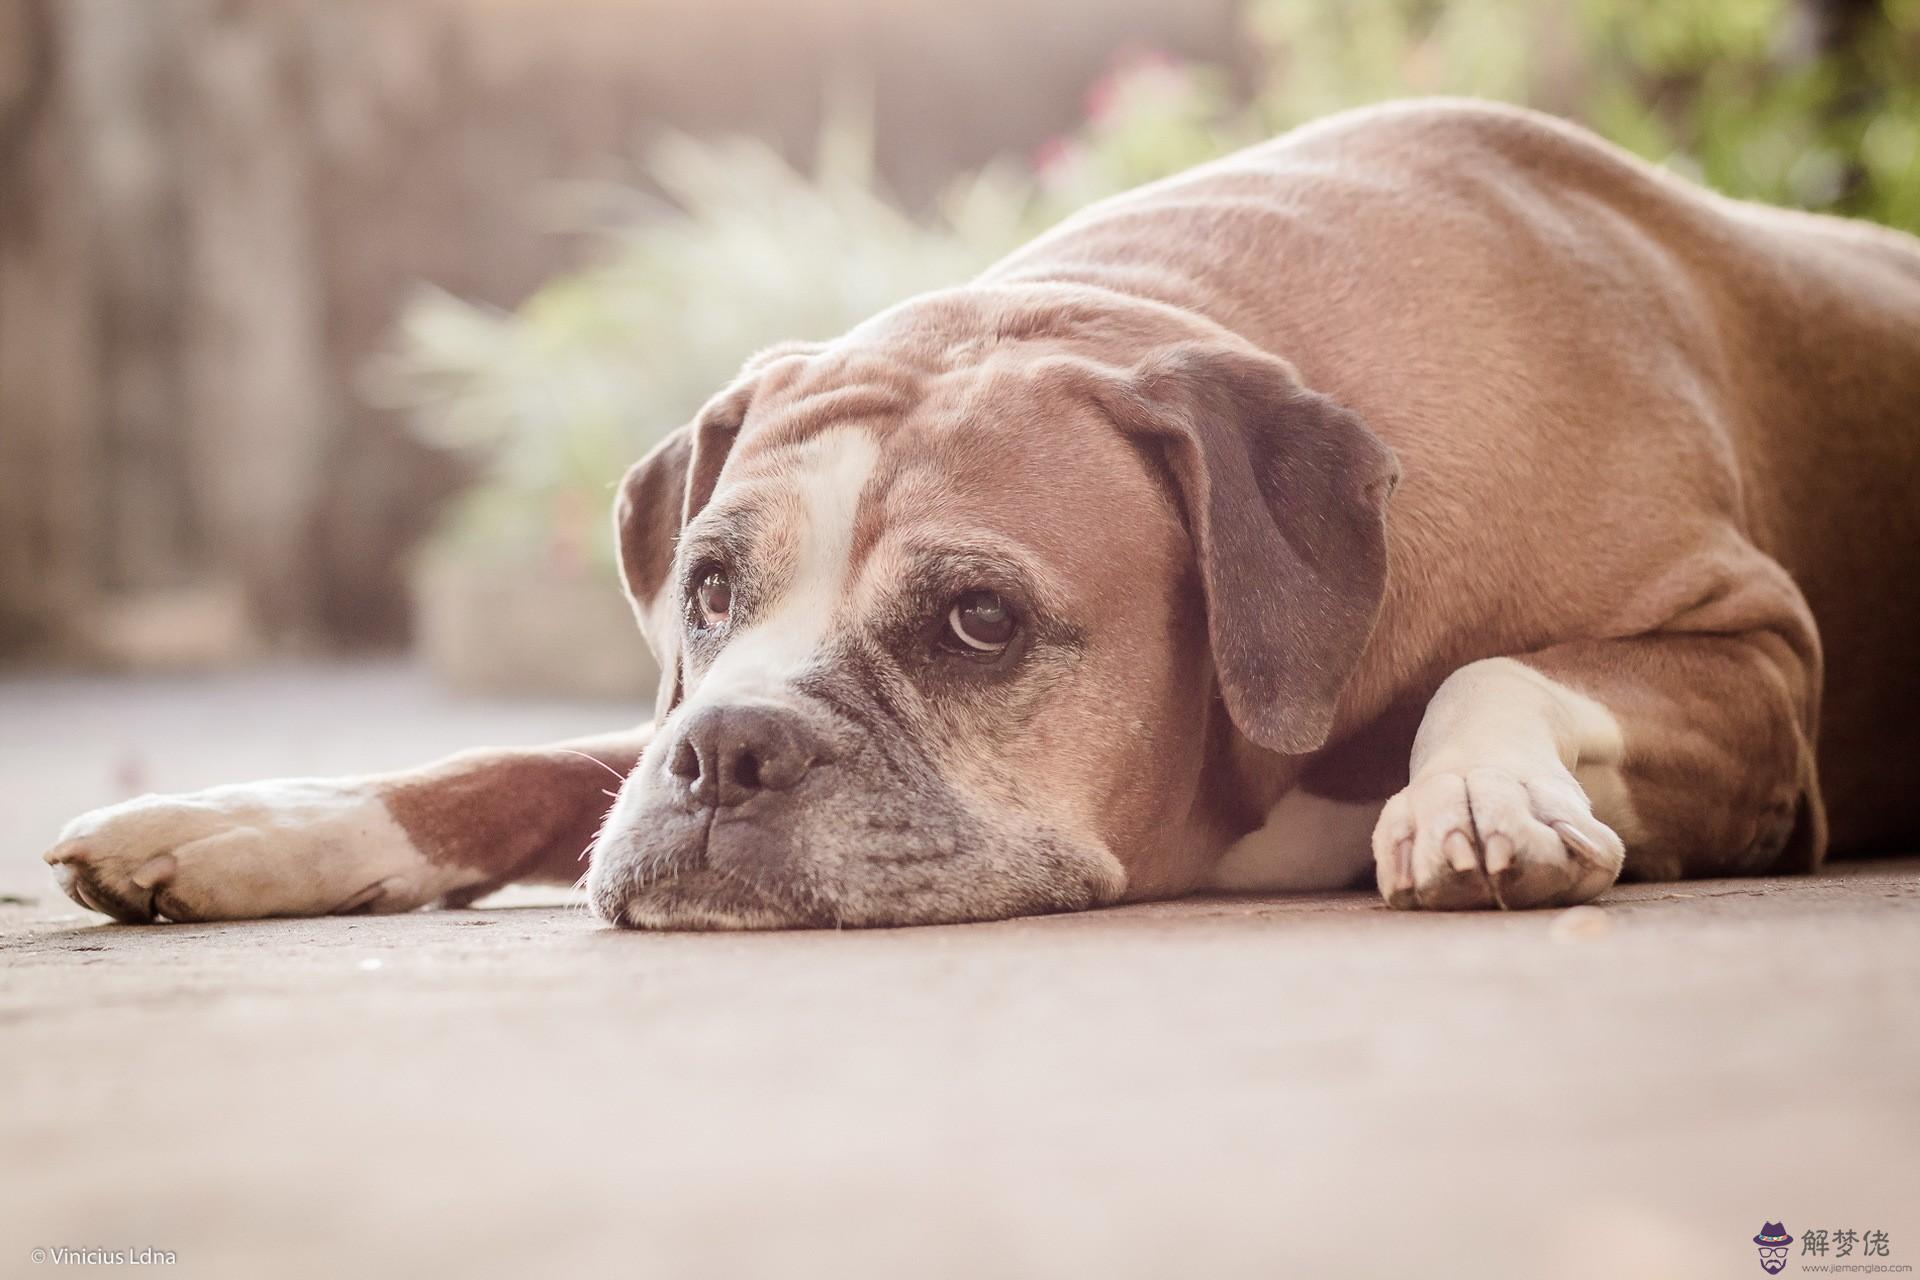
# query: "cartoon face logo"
{"type": "Point", "coordinates": [1772, 1243]}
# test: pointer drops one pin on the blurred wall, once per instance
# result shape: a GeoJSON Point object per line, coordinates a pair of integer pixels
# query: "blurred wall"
{"type": "Point", "coordinates": [210, 211]}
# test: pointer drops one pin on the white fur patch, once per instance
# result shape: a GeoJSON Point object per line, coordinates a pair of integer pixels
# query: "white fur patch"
{"type": "Point", "coordinates": [290, 847]}
{"type": "Point", "coordinates": [830, 471]}
{"type": "Point", "coordinates": [1502, 714]}
{"type": "Point", "coordinates": [1308, 844]}
{"type": "Point", "coordinates": [1517, 797]}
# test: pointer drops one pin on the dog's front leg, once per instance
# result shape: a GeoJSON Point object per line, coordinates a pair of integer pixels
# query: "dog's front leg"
{"type": "Point", "coordinates": [1537, 780]}
{"type": "Point", "coordinates": [448, 832]}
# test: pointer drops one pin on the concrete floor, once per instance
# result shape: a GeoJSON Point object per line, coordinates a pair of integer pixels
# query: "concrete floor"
{"type": "Point", "coordinates": [1310, 1087]}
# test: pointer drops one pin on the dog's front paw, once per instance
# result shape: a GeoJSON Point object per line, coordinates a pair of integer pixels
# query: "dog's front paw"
{"type": "Point", "coordinates": [270, 849]}
{"type": "Point", "coordinates": [1464, 839]}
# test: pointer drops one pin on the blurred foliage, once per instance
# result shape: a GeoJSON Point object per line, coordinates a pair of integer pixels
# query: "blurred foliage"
{"type": "Point", "coordinates": [741, 251]}
{"type": "Point", "coordinates": [1747, 96]}
{"type": "Point", "coordinates": [1752, 97]}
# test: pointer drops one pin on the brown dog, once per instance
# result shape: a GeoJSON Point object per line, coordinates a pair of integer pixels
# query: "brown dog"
{"type": "Point", "coordinates": [1436, 491]}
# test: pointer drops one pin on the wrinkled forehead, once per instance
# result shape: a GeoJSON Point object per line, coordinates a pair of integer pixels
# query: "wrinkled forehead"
{"type": "Point", "coordinates": [855, 526]}
{"type": "Point", "coordinates": [989, 465]}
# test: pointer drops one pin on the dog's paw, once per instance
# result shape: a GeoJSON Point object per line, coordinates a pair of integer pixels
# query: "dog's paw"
{"type": "Point", "coordinates": [293, 848]}
{"type": "Point", "coordinates": [1476, 838]}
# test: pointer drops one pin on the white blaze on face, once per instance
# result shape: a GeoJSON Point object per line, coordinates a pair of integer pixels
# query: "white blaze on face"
{"type": "Point", "coordinates": [830, 471]}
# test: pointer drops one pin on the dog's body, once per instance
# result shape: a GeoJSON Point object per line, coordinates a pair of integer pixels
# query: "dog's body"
{"type": "Point", "coordinates": [1653, 451]}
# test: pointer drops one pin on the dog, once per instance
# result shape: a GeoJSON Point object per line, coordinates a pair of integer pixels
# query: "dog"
{"type": "Point", "coordinates": [1435, 495]}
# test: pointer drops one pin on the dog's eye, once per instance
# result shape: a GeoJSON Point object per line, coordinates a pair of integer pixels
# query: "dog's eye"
{"type": "Point", "coordinates": [980, 622]}
{"type": "Point", "coordinates": [713, 596]}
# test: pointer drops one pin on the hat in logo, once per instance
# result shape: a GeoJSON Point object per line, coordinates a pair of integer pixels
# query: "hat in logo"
{"type": "Point", "coordinates": [1772, 1234]}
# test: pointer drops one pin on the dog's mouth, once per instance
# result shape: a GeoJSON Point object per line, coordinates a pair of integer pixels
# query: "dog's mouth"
{"type": "Point", "coordinates": [706, 899]}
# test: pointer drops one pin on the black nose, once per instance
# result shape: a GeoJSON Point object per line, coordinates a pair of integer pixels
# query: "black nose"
{"type": "Point", "coordinates": [729, 754]}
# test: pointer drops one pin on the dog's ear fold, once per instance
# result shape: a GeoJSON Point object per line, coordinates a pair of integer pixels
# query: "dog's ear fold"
{"type": "Point", "coordinates": [660, 493]}
{"type": "Point", "coordinates": [1285, 493]}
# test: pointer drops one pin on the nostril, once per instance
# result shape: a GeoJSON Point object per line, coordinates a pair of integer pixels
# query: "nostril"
{"type": "Point", "coordinates": [686, 762]}
{"type": "Point", "coordinates": [728, 755]}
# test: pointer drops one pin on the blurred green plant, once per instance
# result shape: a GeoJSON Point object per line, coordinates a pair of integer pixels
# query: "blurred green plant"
{"type": "Point", "coordinates": [743, 251]}
{"type": "Point", "coordinates": [1753, 97]}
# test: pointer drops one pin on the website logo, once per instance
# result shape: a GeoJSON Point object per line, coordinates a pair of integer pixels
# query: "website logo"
{"type": "Point", "coordinates": [1773, 1243]}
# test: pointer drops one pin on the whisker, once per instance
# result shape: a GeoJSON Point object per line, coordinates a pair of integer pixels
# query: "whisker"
{"type": "Point", "coordinates": [596, 759]}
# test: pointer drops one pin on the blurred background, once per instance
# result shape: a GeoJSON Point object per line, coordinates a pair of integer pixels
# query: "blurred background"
{"type": "Point", "coordinates": [327, 325]}
{"type": "Point", "coordinates": [326, 328]}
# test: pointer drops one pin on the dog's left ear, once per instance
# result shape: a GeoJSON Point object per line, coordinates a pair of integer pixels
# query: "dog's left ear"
{"type": "Point", "coordinates": [659, 494]}
{"type": "Point", "coordinates": [669, 487]}
{"type": "Point", "coordinates": [1285, 494]}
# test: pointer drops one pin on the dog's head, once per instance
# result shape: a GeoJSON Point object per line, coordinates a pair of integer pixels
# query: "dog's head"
{"type": "Point", "coordinates": [952, 615]}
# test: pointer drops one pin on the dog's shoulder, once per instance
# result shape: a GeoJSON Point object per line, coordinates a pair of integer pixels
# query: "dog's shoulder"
{"type": "Point", "coordinates": [1419, 132]}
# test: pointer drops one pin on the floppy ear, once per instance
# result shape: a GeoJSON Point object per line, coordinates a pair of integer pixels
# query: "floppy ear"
{"type": "Point", "coordinates": [1285, 493]}
{"type": "Point", "coordinates": [659, 494]}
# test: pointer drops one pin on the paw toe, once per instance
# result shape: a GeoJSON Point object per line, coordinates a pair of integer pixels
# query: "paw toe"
{"type": "Point", "coordinates": [156, 871]}
{"type": "Point", "coordinates": [82, 877]}
{"type": "Point", "coordinates": [1488, 838]}
{"type": "Point", "coordinates": [1456, 889]}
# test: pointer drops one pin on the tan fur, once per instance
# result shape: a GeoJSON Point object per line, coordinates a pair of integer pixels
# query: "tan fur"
{"type": "Point", "coordinates": [1653, 447]}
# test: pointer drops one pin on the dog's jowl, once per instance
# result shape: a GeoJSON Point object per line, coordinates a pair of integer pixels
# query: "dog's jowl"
{"type": "Point", "coordinates": [1435, 497]}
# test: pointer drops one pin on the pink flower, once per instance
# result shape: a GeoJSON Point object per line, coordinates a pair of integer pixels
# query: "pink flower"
{"type": "Point", "coordinates": [1053, 159]}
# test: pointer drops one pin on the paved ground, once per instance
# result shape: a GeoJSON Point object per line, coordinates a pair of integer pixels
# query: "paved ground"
{"type": "Point", "coordinates": [1310, 1087]}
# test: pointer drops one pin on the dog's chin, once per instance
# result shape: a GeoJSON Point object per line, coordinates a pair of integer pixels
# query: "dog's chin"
{"type": "Point", "coordinates": [704, 900]}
